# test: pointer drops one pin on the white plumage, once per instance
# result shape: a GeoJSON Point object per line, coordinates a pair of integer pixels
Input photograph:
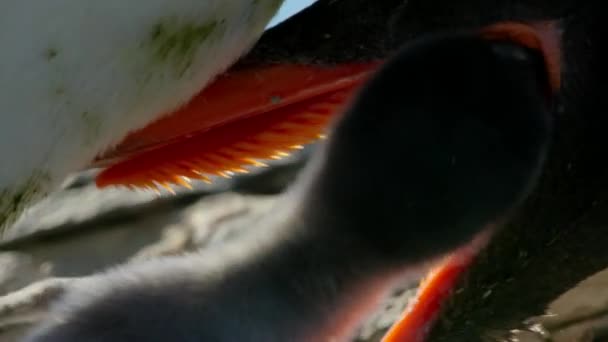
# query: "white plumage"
{"type": "Point", "coordinates": [77, 76]}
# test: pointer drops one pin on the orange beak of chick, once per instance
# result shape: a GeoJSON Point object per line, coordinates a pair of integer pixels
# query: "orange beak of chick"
{"type": "Point", "coordinates": [257, 112]}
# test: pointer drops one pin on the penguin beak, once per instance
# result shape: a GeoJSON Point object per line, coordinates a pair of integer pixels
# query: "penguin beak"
{"type": "Point", "coordinates": [249, 113]}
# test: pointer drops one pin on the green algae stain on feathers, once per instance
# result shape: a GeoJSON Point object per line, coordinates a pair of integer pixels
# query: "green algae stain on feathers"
{"type": "Point", "coordinates": [175, 43]}
{"type": "Point", "coordinates": [262, 11]}
{"type": "Point", "coordinates": [272, 5]}
{"type": "Point", "coordinates": [14, 200]}
{"type": "Point", "coordinates": [50, 53]}
{"type": "Point", "coordinates": [92, 126]}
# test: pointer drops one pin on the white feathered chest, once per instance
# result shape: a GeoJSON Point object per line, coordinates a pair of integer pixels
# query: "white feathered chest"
{"type": "Point", "coordinates": [77, 76]}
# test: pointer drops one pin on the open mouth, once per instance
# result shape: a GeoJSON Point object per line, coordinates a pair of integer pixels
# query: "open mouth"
{"type": "Point", "coordinates": [416, 323]}
{"type": "Point", "coordinates": [257, 112]}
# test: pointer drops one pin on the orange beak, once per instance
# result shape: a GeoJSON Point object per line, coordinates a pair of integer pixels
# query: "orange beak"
{"type": "Point", "coordinates": [247, 114]}
{"type": "Point", "coordinates": [256, 112]}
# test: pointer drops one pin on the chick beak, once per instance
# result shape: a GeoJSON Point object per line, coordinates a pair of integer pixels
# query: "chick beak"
{"type": "Point", "coordinates": [417, 321]}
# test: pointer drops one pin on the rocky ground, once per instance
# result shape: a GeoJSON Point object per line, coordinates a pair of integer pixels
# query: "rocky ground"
{"type": "Point", "coordinates": [82, 230]}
